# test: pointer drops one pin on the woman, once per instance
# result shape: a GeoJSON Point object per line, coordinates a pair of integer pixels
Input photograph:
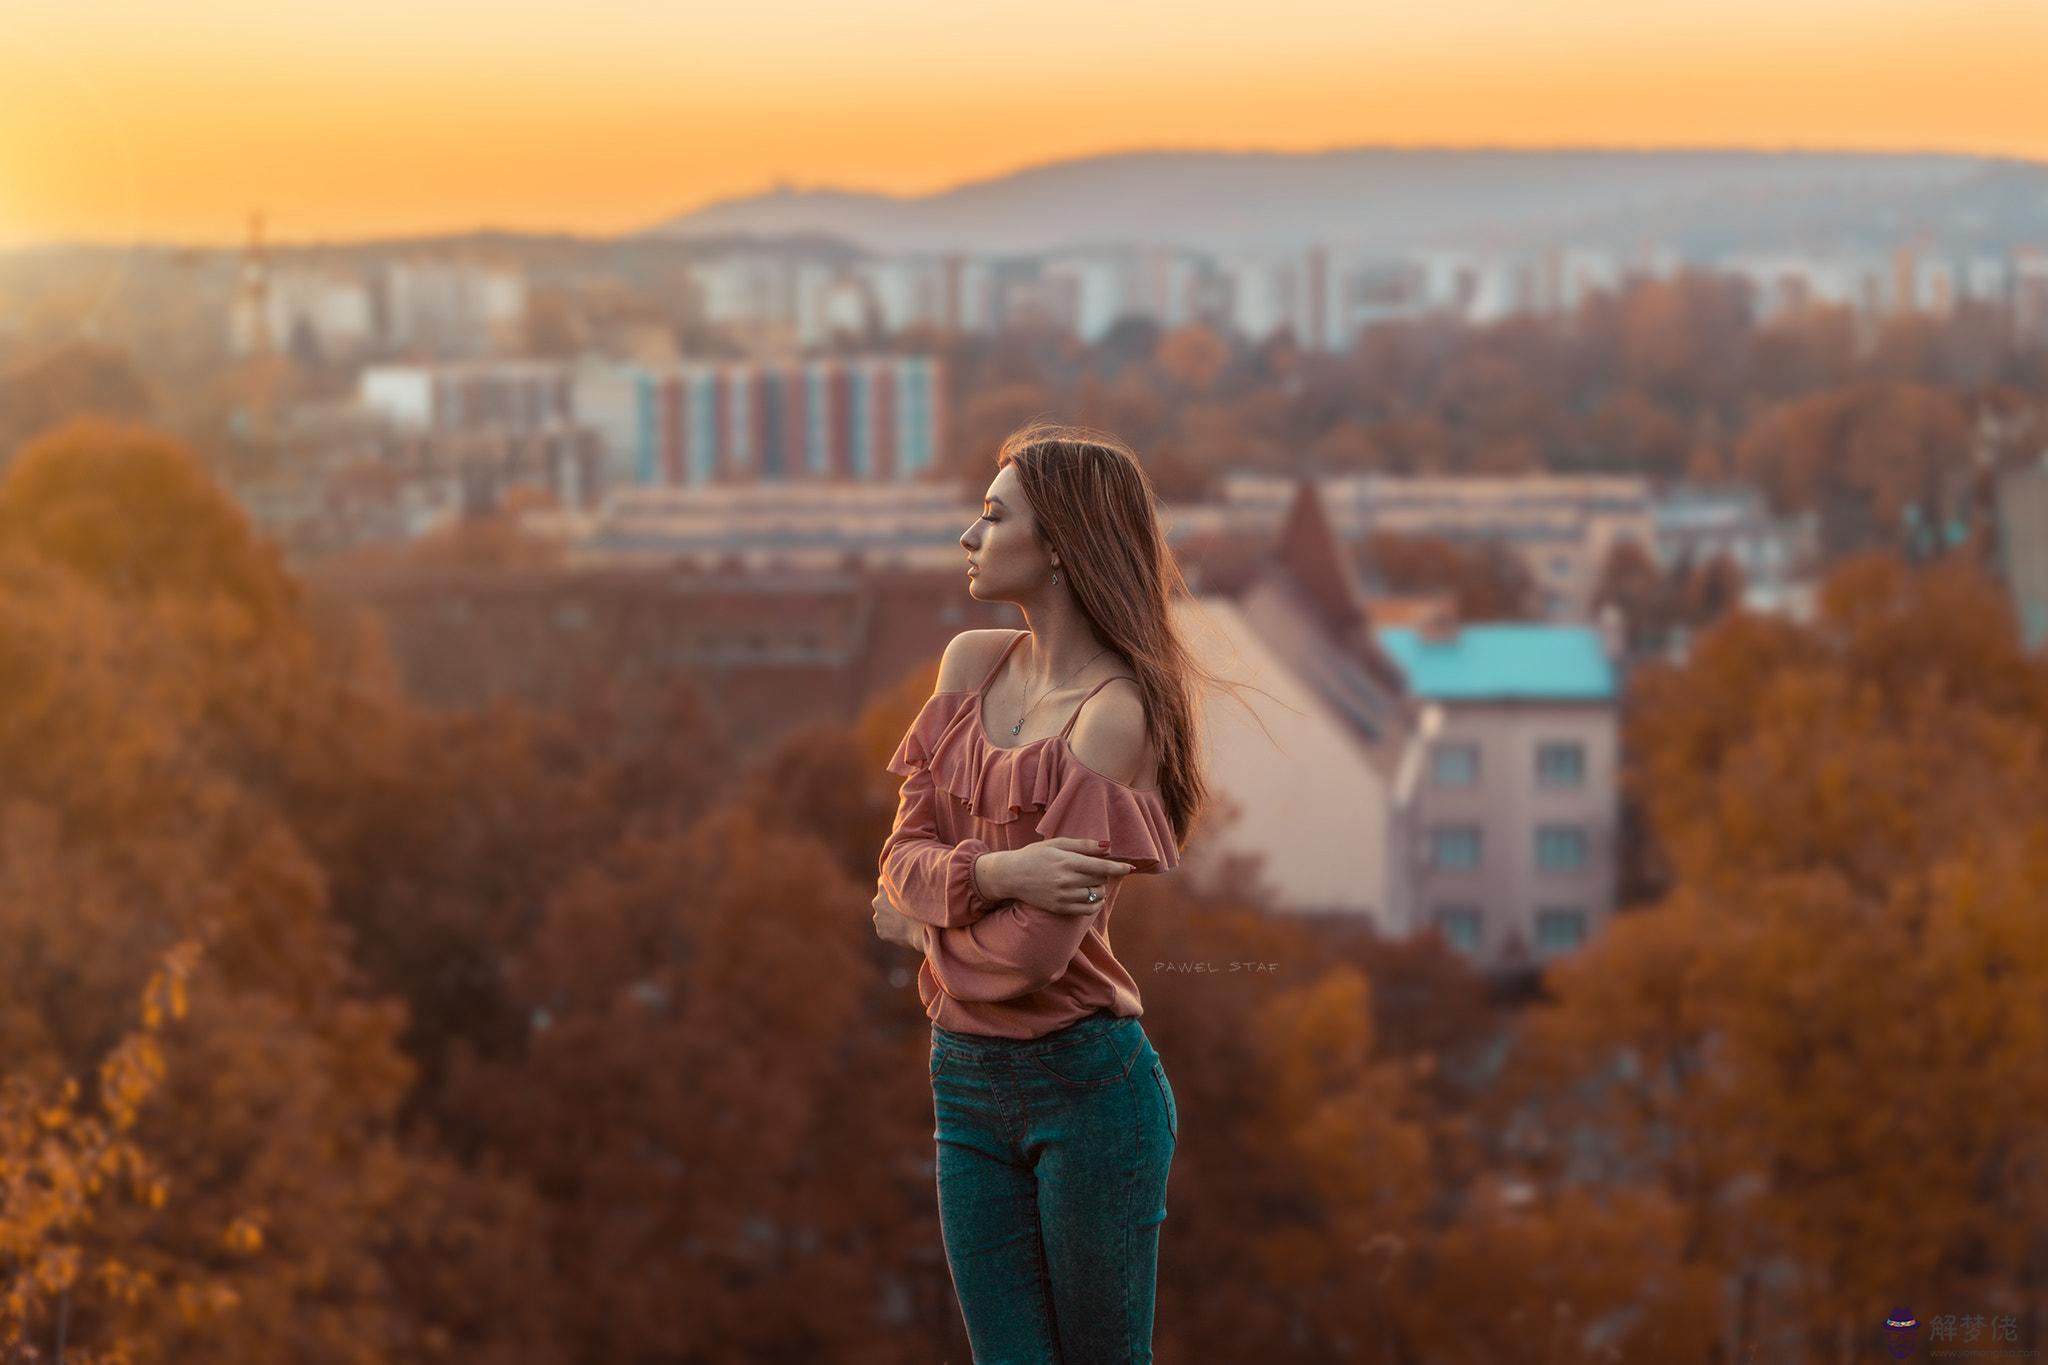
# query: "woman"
{"type": "Point", "coordinates": [1048, 764]}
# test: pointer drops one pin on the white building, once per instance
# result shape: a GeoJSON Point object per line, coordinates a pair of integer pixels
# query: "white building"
{"type": "Point", "coordinates": [505, 395]}
{"type": "Point", "coordinates": [1101, 288]}
{"type": "Point", "coordinates": [744, 288]}
{"type": "Point", "coordinates": [908, 291]}
{"type": "Point", "coordinates": [1303, 290]}
{"type": "Point", "coordinates": [334, 309]}
{"type": "Point", "coordinates": [453, 308]}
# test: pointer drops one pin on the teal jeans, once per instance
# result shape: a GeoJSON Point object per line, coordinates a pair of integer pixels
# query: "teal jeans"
{"type": "Point", "coordinates": [1053, 1155]}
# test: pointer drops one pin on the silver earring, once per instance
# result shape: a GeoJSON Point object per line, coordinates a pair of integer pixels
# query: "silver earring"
{"type": "Point", "coordinates": [1055, 579]}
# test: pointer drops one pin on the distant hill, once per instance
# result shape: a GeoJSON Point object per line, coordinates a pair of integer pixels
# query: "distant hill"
{"type": "Point", "coordinates": [1393, 198]}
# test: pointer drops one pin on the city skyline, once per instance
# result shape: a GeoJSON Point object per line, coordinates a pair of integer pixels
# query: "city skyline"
{"type": "Point", "coordinates": [343, 125]}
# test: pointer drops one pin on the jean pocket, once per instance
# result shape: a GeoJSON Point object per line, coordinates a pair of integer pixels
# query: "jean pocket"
{"type": "Point", "coordinates": [1166, 1095]}
{"type": "Point", "coordinates": [1085, 1066]}
{"type": "Point", "coordinates": [938, 1059]}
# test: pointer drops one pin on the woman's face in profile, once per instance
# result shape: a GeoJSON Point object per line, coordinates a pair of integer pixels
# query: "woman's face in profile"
{"type": "Point", "coordinates": [1001, 546]}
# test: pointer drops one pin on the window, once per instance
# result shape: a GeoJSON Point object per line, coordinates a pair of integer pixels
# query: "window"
{"type": "Point", "coordinates": [1560, 763]}
{"type": "Point", "coordinates": [1559, 929]}
{"type": "Point", "coordinates": [1560, 848]}
{"type": "Point", "coordinates": [1454, 846]}
{"type": "Point", "coordinates": [1459, 924]}
{"type": "Point", "coordinates": [1454, 765]}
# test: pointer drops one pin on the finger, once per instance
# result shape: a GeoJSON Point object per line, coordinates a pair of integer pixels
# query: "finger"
{"type": "Point", "coordinates": [1081, 902]}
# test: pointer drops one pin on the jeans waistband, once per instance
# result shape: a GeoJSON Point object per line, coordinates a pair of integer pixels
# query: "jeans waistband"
{"type": "Point", "coordinates": [1082, 1029]}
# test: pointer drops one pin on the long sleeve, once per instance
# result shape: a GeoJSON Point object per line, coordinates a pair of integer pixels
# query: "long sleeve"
{"type": "Point", "coordinates": [927, 878]}
{"type": "Point", "coordinates": [1013, 951]}
{"type": "Point", "coordinates": [1020, 948]}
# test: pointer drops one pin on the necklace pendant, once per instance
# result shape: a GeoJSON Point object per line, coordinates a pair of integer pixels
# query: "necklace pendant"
{"type": "Point", "coordinates": [1018, 726]}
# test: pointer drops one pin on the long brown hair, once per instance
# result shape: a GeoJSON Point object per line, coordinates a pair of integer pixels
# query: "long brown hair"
{"type": "Point", "coordinates": [1093, 504]}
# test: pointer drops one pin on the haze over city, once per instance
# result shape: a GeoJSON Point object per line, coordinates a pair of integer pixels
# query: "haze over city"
{"type": "Point", "coordinates": [1523, 547]}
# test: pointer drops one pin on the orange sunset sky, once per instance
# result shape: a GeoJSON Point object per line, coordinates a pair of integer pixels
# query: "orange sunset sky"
{"type": "Point", "coordinates": [172, 122]}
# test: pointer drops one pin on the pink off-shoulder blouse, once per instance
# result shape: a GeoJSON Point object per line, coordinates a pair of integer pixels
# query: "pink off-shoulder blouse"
{"type": "Point", "coordinates": [1005, 968]}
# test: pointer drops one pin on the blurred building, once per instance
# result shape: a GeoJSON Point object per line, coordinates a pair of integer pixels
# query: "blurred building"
{"type": "Point", "coordinates": [1513, 815]}
{"type": "Point", "coordinates": [777, 303]}
{"type": "Point", "coordinates": [1910, 279]}
{"type": "Point", "coordinates": [1777, 555]}
{"type": "Point", "coordinates": [1100, 288]}
{"type": "Point", "coordinates": [314, 314]}
{"type": "Point", "coordinates": [1787, 283]}
{"type": "Point", "coordinates": [1487, 285]}
{"type": "Point", "coordinates": [323, 311]}
{"type": "Point", "coordinates": [1562, 526]}
{"type": "Point", "coordinates": [452, 308]}
{"type": "Point", "coordinates": [347, 474]}
{"type": "Point", "coordinates": [2023, 548]}
{"type": "Point", "coordinates": [1302, 292]}
{"type": "Point", "coordinates": [1419, 776]}
{"type": "Point", "coordinates": [484, 427]}
{"type": "Point", "coordinates": [1322, 294]}
{"type": "Point", "coordinates": [478, 468]}
{"type": "Point", "coordinates": [867, 418]}
{"type": "Point", "coordinates": [1303, 758]}
{"type": "Point", "coordinates": [508, 394]}
{"type": "Point", "coordinates": [753, 293]}
{"type": "Point", "coordinates": [2030, 297]}
{"type": "Point", "coordinates": [822, 526]}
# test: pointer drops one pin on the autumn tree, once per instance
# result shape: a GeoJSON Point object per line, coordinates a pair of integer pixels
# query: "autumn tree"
{"type": "Point", "coordinates": [1192, 357]}
{"type": "Point", "coordinates": [1888, 444]}
{"type": "Point", "coordinates": [689, 1125]}
{"type": "Point", "coordinates": [1490, 580]}
{"type": "Point", "coordinates": [59, 1161]}
{"type": "Point", "coordinates": [45, 387]}
{"type": "Point", "coordinates": [179, 743]}
{"type": "Point", "coordinates": [1822, 1048]}
{"type": "Point", "coordinates": [1661, 604]}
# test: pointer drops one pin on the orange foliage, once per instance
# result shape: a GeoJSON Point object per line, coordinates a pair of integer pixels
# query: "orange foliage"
{"type": "Point", "coordinates": [1824, 1047]}
{"type": "Point", "coordinates": [1192, 356]}
{"type": "Point", "coordinates": [57, 1160]}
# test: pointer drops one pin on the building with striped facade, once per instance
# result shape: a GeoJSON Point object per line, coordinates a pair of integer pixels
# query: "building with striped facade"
{"type": "Point", "coordinates": [869, 419]}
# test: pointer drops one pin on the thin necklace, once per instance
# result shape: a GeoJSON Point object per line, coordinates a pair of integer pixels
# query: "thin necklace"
{"type": "Point", "coordinates": [1054, 688]}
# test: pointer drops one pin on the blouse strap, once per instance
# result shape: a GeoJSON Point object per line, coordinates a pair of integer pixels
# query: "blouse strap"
{"type": "Point", "coordinates": [1001, 655]}
{"type": "Point", "coordinates": [1091, 694]}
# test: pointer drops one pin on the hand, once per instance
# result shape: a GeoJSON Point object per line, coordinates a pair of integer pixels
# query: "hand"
{"type": "Point", "coordinates": [893, 926]}
{"type": "Point", "coordinates": [1058, 873]}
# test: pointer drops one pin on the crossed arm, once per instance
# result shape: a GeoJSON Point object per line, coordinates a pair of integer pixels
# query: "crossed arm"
{"type": "Point", "coordinates": [893, 926]}
{"type": "Point", "coordinates": [927, 898]}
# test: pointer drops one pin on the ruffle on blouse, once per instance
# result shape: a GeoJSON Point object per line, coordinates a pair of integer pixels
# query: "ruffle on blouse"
{"type": "Point", "coordinates": [999, 784]}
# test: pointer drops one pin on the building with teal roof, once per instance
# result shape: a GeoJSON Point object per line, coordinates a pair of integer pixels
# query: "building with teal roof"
{"type": "Point", "coordinates": [1503, 662]}
{"type": "Point", "coordinates": [1510, 810]}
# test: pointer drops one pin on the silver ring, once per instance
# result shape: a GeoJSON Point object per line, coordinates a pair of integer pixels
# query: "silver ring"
{"type": "Point", "coordinates": [1092, 897]}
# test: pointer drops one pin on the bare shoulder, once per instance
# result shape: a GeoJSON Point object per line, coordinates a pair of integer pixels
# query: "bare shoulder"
{"type": "Point", "coordinates": [968, 658]}
{"type": "Point", "coordinates": [1110, 735]}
